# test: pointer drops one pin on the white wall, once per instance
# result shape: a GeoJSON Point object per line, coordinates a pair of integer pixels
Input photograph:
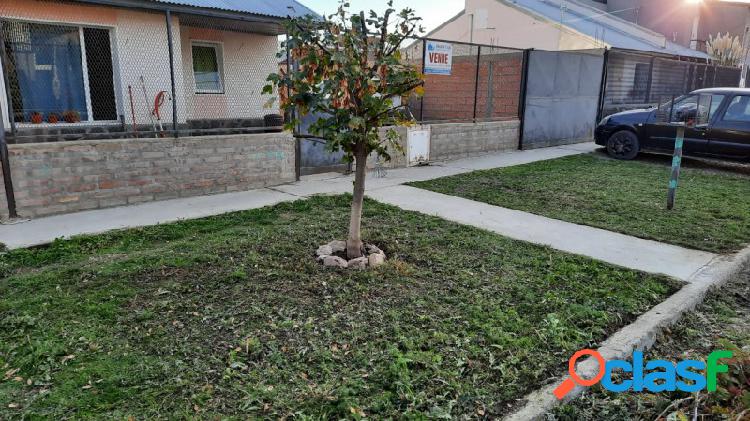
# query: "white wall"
{"type": "Point", "coordinates": [139, 48]}
{"type": "Point", "coordinates": [509, 26]}
{"type": "Point", "coordinates": [247, 59]}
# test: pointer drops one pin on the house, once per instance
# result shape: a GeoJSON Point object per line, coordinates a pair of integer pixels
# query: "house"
{"type": "Point", "coordinates": [690, 25]}
{"type": "Point", "coordinates": [110, 66]}
{"type": "Point", "coordinates": [553, 25]}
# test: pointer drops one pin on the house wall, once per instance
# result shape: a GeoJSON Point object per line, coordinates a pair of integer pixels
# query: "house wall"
{"type": "Point", "coordinates": [248, 59]}
{"type": "Point", "coordinates": [139, 48]}
{"type": "Point", "coordinates": [509, 27]}
{"type": "Point", "coordinates": [61, 177]}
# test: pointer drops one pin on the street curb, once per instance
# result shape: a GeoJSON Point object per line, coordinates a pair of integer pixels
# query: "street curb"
{"type": "Point", "coordinates": [642, 333]}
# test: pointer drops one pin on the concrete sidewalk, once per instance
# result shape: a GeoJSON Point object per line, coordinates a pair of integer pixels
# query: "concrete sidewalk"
{"type": "Point", "coordinates": [45, 230]}
{"type": "Point", "coordinates": [604, 245]}
{"type": "Point", "coordinates": [619, 249]}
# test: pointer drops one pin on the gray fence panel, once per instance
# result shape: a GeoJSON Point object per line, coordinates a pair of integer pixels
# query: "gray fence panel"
{"type": "Point", "coordinates": [562, 97]}
{"type": "Point", "coordinates": [314, 157]}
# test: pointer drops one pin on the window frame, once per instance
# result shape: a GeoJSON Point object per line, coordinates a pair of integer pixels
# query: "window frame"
{"type": "Point", "coordinates": [84, 69]}
{"type": "Point", "coordinates": [219, 51]}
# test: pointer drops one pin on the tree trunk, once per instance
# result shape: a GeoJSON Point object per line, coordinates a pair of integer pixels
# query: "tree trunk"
{"type": "Point", "coordinates": [354, 242]}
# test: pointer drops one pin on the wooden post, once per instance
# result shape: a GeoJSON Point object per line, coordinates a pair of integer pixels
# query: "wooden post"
{"type": "Point", "coordinates": [676, 165]}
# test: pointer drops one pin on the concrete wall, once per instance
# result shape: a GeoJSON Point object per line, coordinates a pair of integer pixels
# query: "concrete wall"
{"type": "Point", "coordinates": [458, 140]}
{"type": "Point", "coordinates": [51, 178]}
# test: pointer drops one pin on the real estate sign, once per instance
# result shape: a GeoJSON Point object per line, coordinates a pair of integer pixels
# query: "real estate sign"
{"type": "Point", "coordinates": [438, 58]}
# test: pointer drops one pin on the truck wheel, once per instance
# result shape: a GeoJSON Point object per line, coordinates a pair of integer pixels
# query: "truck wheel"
{"type": "Point", "coordinates": [623, 145]}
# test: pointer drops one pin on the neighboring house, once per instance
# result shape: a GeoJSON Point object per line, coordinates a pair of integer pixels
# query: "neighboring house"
{"type": "Point", "coordinates": [644, 67]}
{"type": "Point", "coordinates": [87, 63]}
{"type": "Point", "coordinates": [687, 24]}
{"type": "Point", "coordinates": [537, 24]}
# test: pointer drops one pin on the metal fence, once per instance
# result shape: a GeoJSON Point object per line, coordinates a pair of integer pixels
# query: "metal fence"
{"type": "Point", "coordinates": [636, 80]}
{"type": "Point", "coordinates": [133, 73]}
{"type": "Point", "coordinates": [484, 83]}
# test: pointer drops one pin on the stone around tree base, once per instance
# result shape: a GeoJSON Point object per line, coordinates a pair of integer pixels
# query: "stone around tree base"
{"type": "Point", "coordinates": [333, 254]}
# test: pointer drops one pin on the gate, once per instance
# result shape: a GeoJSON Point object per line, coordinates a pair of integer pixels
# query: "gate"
{"type": "Point", "coordinates": [314, 157]}
{"type": "Point", "coordinates": [562, 97]}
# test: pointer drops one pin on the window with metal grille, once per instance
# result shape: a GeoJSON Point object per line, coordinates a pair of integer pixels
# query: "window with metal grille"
{"type": "Point", "coordinates": [207, 69]}
{"type": "Point", "coordinates": [59, 73]}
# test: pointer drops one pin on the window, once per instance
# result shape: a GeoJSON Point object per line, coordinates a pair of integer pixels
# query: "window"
{"type": "Point", "coordinates": [207, 69]}
{"type": "Point", "coordinates": [738, 110]}
{"type": "Point", "coordinates": [59, 73]}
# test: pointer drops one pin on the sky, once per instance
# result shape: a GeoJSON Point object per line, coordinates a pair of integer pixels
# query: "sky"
{"type": "Point", "coordinates": [433, 12]}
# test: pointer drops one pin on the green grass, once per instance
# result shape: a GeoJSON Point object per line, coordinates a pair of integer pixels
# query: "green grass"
{"type": "Point", "coordinates": [712, 209]}
{"type": "Point", "coordinates": [231, 316]}
{"type": "Point", "coordinates": [721, 323]}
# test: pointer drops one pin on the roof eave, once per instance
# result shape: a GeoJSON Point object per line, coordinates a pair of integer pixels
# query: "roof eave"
{"type": "Point", "coordinates": [192, 10]}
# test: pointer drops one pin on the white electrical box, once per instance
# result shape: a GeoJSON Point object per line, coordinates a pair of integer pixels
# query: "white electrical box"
{"type": "Point", "coordinates": [418, 145]}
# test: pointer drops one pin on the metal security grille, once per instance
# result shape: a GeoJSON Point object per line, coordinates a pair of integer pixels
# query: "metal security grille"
{"type": "Point", "coordinates": [641, 81]}
{"type": "Point", "coordinates": [58, 73]}
{"type": "Point", "coordinates": [134, 73]}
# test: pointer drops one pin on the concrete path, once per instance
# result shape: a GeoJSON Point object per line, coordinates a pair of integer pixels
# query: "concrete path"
{"type": "Point", "coordinates": [45, 230]}
{"type": "Point", "coordinates": [622, 250]}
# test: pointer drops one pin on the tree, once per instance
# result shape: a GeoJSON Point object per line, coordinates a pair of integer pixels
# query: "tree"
{"type": "Point", "coordinates": [348, 68]}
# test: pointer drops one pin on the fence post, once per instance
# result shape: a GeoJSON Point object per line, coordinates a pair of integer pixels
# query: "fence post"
{"type": "Point", "coordinates": [421, 100]}
{"type": "Point", "coordinates": [476, 83]}
{"type": "Point", "coordinates": [522, 95]}
{"type": "Point", "coordinates": [6, 80]}
{"type": "Point", "coordinates": [7, 180]}
{"type": "Point", "coordinates": [171, 72]}
{"type": "Point", "coordinates": [603, 87]}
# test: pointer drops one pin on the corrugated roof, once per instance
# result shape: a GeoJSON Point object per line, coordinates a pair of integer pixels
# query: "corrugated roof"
{"type": "Point", "coordinates": [605, 27]}
{"type": "Point", "coordinates": [274, 8]}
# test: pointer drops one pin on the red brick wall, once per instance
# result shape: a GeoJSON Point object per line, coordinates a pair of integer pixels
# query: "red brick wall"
{"type": "Point", "coordinates": [452, 97]}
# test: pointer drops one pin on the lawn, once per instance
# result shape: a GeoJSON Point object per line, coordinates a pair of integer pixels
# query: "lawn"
{"type": "Point", "coordinates": [721, 323]}
{"type": "Point", "coordinates": [231, 316]}
{"type": "Point", "coordinates": [712, 211]}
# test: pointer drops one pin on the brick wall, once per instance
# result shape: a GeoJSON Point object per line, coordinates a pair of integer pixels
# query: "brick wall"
{"type": "Point", "coordinates": [452, 97]}
{"type": "Point", "coordinates": [51, 178]}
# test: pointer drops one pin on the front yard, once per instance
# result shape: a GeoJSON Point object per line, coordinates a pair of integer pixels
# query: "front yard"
{"type": "Point", "coordinates": [721, 323]}
{"type": "Point", "coordinates": [712, 211]}
{"type": "Point", "coordinates": [230, 315]}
